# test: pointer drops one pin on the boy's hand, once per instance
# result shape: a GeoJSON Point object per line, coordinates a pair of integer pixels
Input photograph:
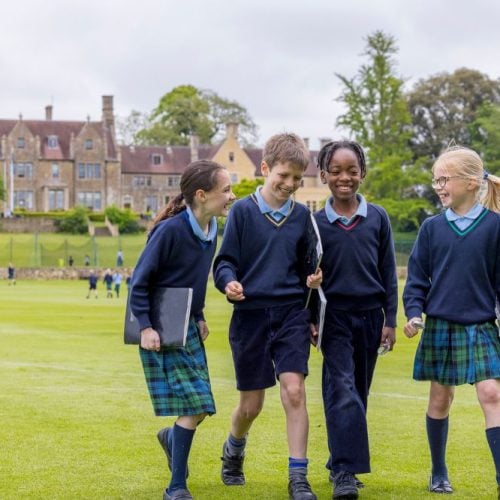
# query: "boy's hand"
{"type": "Point", "coordinates": [203, 329]}
{"type": "Point", "coordinates": [314, 334]}
{"type": "Point", "coordinates": [388, 337]}
{"type": "Point", "coordinates": [410, 329]}
{"type": "Point", "coordinates": [315, 280]}
{"type": "Point", "coordinates": [234, 291]}
{"type": "Point", "coordinates": [150, 340]}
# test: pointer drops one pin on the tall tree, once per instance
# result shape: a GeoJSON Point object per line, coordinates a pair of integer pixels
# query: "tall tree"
{"type": "Point", "coordinates": [377, 117]}
{"type": "Point", "coordinates": [187, 110]}
{"type": "Point", "coordinates": [485, 136]}
{"type": "Point", "coordinates": [444, 106]}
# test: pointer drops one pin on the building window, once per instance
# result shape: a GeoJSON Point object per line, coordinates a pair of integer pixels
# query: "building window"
{"type": "Point", "coordinates": [21, 143]}
{"type": "Point", "coordinates": [55, 171]}
{"type": "Point", "coordinates": [141, 181]}
{"type": "Point", "coordinates": [52, 142]}
{"type": "Point", "coordinates": [127, 201]}
{"type": "Point", "coordinates": [157, 159]}
{"type": "Point", "coordinates": [151, 204]}
{"type": "Point", "coordinates": [56, 199]}
{"type": "Point", "coordinates": [234, 178]}
{"type": "Point", "coordinates": [231, 156]}
{"type": "Point", "coordinates": [23, 199]}
{"type": "Point", "coordinates": [89, 144]}
{"type": "Point", "coordinates": [312, 205]}
{"type": "Point", "coordinates": [23, 170]}
{"type": "Point", "coordinates": [89, 170]}
{"type": "Point", "coordinates": [90, 199]}
{"type": "Point", "coordinates": [167, 199]}
{"type": "Point", "coordinates": [173, 181]}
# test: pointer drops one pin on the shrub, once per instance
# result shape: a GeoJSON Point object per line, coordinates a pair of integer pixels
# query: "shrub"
{"type": "Point", "coordinates": [126, 220]}
{"type": "Point", "coordinates": [75, 221]}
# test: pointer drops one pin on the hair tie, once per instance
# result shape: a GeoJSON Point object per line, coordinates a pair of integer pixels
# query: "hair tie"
{"type": "Point", "coordinates": [485, 174]}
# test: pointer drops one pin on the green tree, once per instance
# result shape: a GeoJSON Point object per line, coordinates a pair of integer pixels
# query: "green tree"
{"type": "Point", "coordinates": [485, 136]}
{"type": "Point", "coordinates": [127, 128]}
{"type": "Point", "coordinates": [377, 117]}
{"type": "Point", "coordinates": [246, 187]}
{"type": "Point", "coordinates": [444, 106]}
{"type": "Point", "coordinates": [186, 111]}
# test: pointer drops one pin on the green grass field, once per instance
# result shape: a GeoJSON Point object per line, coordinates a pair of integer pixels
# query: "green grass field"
{"type": "Point", "coordinates": [76, 420]}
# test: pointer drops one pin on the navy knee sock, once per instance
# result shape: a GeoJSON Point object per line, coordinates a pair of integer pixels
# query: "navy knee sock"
{"type": "Point", "coordinates": [493, 437]}
{"type": "Point", "coordinates": [181, 445]}
{"type": "Point", "coordinates": [437, 434]}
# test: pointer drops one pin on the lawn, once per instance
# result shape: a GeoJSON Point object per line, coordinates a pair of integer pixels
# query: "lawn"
{"type": "Point", "coordinates": [77, 421]}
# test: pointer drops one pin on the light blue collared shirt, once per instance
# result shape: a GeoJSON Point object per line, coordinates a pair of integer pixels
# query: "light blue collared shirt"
{"type": "Point", "coordinates": [464, 221]}
{"type": "Point", "coordinates": [333, 216]}
{"type": "Point", "coordinates": [264, 208]}
{"type": "Point", "coordinates": [212, 232]}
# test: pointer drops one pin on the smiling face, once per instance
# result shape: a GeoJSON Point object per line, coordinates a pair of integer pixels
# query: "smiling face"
{"type": "Point", "coordinates": [217, 200]}
{"type": "Point", "coordinates": [343, 175]}
{"type": "Point", "coordinates": [281, 181]}
{"type": "Point", "coordinates": [457, 193]}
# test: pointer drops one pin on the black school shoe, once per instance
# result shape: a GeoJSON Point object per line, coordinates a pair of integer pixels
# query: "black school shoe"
{"type": "Point", "coordinates": [440, 485]}
{"type": "Point", "coordinates": [359, 484]}
{"type": "Point", "coordinates": [344, 486]}
{"type": "Point", "coordinates": [232, 468]}
{"type": "Point", "coordinates": [163, 439]}
{"type": "Point", "coordinates": [177, 495]}
{"type": "Point", "coordinates": [299, 488]}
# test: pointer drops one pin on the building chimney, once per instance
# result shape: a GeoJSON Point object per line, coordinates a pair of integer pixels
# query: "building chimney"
{"type": "Point", "coordinates": [323, 141]}
{"type": "Point", "coordinates": [108, 116]}
{"type": "Point", "coordinates": [48, 112]}
{"type": "Point", "coordinates": [193, 145]}
{"type": "Point", "coordinates": [232, 130]}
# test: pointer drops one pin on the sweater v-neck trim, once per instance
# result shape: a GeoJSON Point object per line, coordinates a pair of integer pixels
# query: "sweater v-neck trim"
{"type": "Point", "coordinates": [467, 230]}
{"type": "Point", "coordinates": [271, 219]}
{"type": "Point", "coordinates": [352, 225]}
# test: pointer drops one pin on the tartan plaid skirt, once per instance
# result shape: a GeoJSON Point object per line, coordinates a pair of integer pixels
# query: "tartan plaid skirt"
{"type": "Point", "coordinates": [454, 354]}
{"type": "Point", "coordinates": [177, 378]}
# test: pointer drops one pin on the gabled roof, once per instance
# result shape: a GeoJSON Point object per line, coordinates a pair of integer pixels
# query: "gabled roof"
{"type": "Point", "coordinates": [63, 130]}
{"type": "Point", "coordinates": [174, 159]}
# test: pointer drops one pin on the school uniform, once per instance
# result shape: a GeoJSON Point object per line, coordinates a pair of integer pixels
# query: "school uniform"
{"type": "Point", "coordinates": [454, 278]}
{"type": "Point", "coordinates": [177, 254]}
{"type": "Point", "coordinates": [360, 285]}
{"type": "Point", "coordinates": [266, 251]}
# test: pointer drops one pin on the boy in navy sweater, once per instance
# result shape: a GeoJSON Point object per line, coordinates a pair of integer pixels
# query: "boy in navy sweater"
{"type": "Point", "coordinates": [263, 270]}
{"type": "Point", "coordinates": [360, 286]}
{"type": "Point", "coordinates": [454, 278]}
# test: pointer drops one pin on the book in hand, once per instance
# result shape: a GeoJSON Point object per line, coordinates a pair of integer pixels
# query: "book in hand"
{"type": "Point", "coordinates": [314, 252]}
{"type": "Point", "coordinates": [170, 310]}
{"type": "Point", "coordinates": [321, 316]}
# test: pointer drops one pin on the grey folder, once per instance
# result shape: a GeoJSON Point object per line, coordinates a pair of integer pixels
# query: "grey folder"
{"type": "Point", "coordinates": [170, 312]}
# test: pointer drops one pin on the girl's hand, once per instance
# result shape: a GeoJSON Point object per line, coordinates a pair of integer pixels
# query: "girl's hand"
{"type": "Point", "coordinates": [314, 334]}
{"type": "Point", "coordinates": [150, 340]}
{"type": "Point", "coordinates": [410, 330]}
{"type": "Point", "coordinates": [234, 291]}
{"type": "Point", "coordinates": [315, 280]}
{"type": "Point", "coordinates": [203, 329]}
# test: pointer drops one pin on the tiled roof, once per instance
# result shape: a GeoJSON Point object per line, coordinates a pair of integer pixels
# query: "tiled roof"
{"type": "Point", "coordinates": [63, 131]}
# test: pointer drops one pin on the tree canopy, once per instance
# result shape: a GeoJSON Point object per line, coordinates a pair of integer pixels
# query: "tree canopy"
{"type": "Point", "coordinates": [186, 111]}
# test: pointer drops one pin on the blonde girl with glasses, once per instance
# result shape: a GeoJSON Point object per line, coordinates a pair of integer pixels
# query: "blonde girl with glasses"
{"type": "Point", "coordinates": [454, 279]}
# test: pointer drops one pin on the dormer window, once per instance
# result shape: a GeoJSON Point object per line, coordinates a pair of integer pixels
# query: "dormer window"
{"type": "Point", "coordinates": [53, 142]}
{"type": "Point", "coordinates": [89, 144]}
{"type": "Point", "coordinates": [21, 142]}
{"type": "Point", "coordinates": [157, 159]}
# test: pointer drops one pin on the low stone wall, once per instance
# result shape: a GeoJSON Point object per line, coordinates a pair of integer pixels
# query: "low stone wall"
{"type": "Point", "coordinates": [57, 273]}
{"type": "Point", "coordinates": [27, 225]}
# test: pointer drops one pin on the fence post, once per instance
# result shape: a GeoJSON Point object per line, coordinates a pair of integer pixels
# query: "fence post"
{"type": "Point", "coordinates": [11, 249]}
{"type": "Point", "coordinates": [94, 247]}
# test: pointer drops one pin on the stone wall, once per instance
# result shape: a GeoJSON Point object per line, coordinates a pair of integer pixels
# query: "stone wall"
{"type": "Point", "coordinates": [57, 273]}
{"type": "Point", "coordinates": [27, 225]}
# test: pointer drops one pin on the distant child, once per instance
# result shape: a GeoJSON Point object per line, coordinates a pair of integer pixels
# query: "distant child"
{"type": "Point", "coordinates": [86, 260]}
{"type": "Point", "coordinates": [11, 274]}
{"type": "Point", "coordinates": [360, 285]}
{"type": "Point", "coordinates": [454, 278]}
{"type": "Point", "coordinates": [262, 269]}
{"type": "Point", "coordinates": [117, 283]}
{"type": "Point", "coordinates": [179, 253]}
{"type": "Point", "coordinates": [108, 281]}
{"type": "Point", "coordinates": [119, 258]}
{"type": "Point", "coordinates": [92, 284]}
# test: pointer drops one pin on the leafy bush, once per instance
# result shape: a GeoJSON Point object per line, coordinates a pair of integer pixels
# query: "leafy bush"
{"type": "Point", "coordinates": [126, 220]}
{"type": "Point", "coordinates": [75, 221]}
{"type": "Point", "coordinates": [408, 214]}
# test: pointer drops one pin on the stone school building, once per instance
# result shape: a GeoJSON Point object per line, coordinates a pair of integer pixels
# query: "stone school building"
{"type": "Point", "coordinates": [52, 164]}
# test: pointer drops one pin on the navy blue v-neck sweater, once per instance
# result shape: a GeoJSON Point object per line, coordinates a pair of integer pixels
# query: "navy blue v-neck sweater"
{"type": "Point", "coordinates": [455, 275]}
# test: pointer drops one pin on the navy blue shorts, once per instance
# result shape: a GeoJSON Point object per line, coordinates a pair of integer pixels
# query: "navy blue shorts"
{"type": "Point", "coordinates": [267, 342]}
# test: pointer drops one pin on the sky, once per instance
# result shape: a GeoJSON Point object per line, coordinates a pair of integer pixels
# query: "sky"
{"type": "Point", "coordinates": [278, 58]}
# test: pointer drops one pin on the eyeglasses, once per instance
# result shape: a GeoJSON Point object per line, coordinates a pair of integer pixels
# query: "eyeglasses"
{"type": "Point", "coordinates": [441, 181]}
